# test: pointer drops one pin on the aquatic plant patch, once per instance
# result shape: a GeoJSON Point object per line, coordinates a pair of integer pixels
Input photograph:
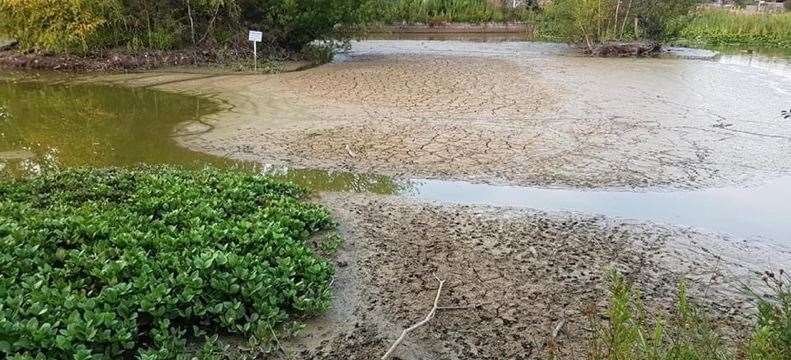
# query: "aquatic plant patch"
{"type": "Point", "coordinates": [141, 263]}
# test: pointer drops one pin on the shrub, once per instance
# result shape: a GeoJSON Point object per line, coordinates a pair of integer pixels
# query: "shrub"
{"type": "Point", "coordinates": [54, 25]}
{"type": "Point", "coordinates": [116, 263]}
{"type": "Point", "coordinates": [595, 21]}
{"type": "Point", "coordinates": [83, 25]}
{"type": "Point", "coordinates": [439, 11]}
{"type": "Point", "coordinates": [631, 334]}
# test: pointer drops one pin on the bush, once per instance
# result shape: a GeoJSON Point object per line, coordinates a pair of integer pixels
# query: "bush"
{"type": "Point", "coordinates": [87, 25]}
{"type": "Point", "coordinates": [54, 25]}
{"type": "Point", "coordinates": [116, 263]}
{"type": "Point", "coordinates": [596, 21]}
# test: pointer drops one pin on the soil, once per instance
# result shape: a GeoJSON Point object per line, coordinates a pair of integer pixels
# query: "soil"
{"type": "Point", "coordinates": [517, 273]}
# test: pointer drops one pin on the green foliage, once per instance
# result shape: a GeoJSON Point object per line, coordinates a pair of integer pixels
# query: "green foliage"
{"type": "Point", "coordinates": [439, 11]}
{"type": "Point", "coordinates": [628, 334]}
{"type": "Point", "coordinates": [771, 338]}
{"type": "Point", "coordinates": [689, 334]}
{"type": "Point", "coordinates": [720, 27]}
{"type": "Point", "coordinates": [55, 25]}
{"type": "Point", "coordinates": [86, 25]}
{"type": "Point", "coordinates": [596, 21]}
{"type": "Point", "coordinates": [115, 263]}
{"type": "Point", "coordinates": [331, 243]}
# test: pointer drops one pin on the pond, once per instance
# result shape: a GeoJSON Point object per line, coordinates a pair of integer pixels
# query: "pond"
{"type": "Point", "coordinates": [46, 125]}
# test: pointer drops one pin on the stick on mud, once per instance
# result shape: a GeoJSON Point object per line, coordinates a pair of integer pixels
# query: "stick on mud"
{"type": "Point", "coordinates": [419, 324]}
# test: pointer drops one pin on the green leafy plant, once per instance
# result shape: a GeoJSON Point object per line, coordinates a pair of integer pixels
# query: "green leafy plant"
{"type": "Point", "coordinates": [118, 263]}
{"type": "Point", "coordinates": [592, 22]}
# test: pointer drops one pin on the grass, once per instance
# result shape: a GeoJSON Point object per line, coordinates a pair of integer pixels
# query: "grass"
{"type": "Point", "coordinates": [687, 333]}
{"type": "Point", "coordinates": [442, 11]}
{"type": "Point", "coordinates": [148, 263]}
{"type": "Point", "coordinates": [722, 27]}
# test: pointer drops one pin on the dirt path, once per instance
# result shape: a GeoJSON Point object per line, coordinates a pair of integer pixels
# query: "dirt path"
{"type": "Point", "coordinates": [509, 113]}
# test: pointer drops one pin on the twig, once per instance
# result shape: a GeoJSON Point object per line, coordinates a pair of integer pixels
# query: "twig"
{"type": "Point", "coordinates": [419, 324]}
{"type": "Point", "coordinates": [349, 150]}
{"type": "Point", "coordinates": [558, 327]}
{"type": "Point", "coordinates": [278, 341]}
{"type": "Point", "coordinates": [473, 306]}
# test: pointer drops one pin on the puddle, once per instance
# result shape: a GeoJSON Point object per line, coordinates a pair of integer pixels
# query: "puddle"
{"type": "Point", "coordinates": [760, 213]}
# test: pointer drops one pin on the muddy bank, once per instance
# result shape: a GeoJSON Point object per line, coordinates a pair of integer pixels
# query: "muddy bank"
{"type": "Point", "coordinates": [118, 61]}
{"type": "Point", "coordinates": [106, 61]}
{"type": "Point", "coordinates": [517, 273]}
{"type": "Point", "coordinates": [514, 113]}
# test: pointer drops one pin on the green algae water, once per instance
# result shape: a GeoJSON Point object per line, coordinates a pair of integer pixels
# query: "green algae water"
{"type": "Point", "coordinates": [46, 126]}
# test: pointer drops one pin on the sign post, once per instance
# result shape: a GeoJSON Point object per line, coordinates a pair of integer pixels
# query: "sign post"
{"type": "Point", "coordinates": [255, 37]}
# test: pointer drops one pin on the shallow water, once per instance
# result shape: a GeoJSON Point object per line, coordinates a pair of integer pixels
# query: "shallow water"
{"type": "Point", "coordinates": [44, 126]}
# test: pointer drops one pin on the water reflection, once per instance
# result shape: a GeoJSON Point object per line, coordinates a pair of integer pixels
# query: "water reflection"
{"type": "Point", "coordinates": [45, 126]}
{"type": "Point", "coordinates": [337, 181]}
{"type": "Point", "coordinates": [760, 212]}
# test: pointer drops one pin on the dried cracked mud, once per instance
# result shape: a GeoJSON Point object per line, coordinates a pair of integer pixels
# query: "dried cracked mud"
{"type": "Point", "coordinates": [515, 113]}
{"type": "Point", "coordinates": [509, 113]}
{"type": "Point", "coordinates": [515, 274]}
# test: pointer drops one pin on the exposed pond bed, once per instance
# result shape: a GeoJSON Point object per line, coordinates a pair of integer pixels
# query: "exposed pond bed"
{"type": "Point", "coordinates": [59, 124]}
{"type": "Point", "coordinates": [534, 256]}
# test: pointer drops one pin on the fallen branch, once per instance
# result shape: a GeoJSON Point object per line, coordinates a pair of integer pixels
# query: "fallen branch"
{"type": "Point", "coordinates": [419, 324]}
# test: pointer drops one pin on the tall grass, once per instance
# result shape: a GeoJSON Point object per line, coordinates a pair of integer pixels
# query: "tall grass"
{"type": "Point", "coordinates": [438, 11]}
{"type": "Point", "coordinates": [722, 27]}
{"type": "Point", "coordinates": [687, 333]}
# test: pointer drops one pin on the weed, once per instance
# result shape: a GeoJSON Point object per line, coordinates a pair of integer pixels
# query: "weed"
{"type": "Point", "coordinates": [688, 333]}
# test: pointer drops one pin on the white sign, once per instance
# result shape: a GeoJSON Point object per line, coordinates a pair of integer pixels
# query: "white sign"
{"type": "Point", "coordinates": [256, 36]}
